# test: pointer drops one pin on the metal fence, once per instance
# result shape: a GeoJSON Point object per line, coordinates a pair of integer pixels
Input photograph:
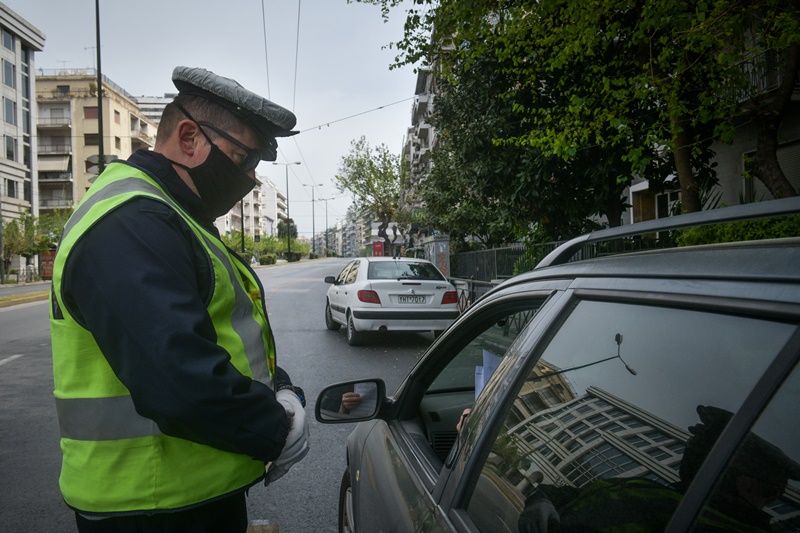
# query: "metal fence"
{"type": "Point", "coordinates": [499, 263]}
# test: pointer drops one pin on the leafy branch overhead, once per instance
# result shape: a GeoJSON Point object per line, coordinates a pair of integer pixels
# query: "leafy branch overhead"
{"type": "Point", "coordinates": [589, 94]}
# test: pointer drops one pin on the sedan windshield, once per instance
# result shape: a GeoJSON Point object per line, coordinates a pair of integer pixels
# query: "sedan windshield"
{"type": "Point", "coordinates": [403, 270]}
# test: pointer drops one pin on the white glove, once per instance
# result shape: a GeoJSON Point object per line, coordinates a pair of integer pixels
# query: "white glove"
{"type": "Point", "coordinates": [296, 446]}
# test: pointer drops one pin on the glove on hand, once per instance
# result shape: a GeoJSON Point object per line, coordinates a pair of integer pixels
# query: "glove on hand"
{"type": "Point", "coordinates": [538, 516]}
{"type": "Point", "coordinates": [296, 446]}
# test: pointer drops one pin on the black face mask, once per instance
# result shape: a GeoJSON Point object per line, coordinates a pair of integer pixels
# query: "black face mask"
{"type": "Point", "coordinates": [219, 181]}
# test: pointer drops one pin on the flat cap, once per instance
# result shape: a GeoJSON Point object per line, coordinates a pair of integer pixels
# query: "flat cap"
{"type": "Point", "coordinates": [268, 119]}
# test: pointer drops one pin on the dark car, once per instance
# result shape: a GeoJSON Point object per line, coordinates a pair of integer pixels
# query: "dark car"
{"type": "Point", "coordinates": [644, 391]}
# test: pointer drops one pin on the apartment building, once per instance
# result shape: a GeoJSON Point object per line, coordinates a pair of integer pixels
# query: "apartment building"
{"type": "Point", "coordinates": [153, 106]}
{"type": "Point", "coordinates": [20, 41]}
{"type": "Point", "coordinates": [68, 131]}
{"type": "Point", "coordinates": [257, 213]}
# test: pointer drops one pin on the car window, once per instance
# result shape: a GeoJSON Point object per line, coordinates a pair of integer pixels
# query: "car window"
{"type": "Point", "coordinates": [343, 274]}
{"type": "Point", "coordinates": [458, 383]}
{"type": "Point", "coordinates": [760, 487]}
{"type": "Point", "coordinates": [403, 270]}
{"type": "Point", "coordinates": [353, 272]}
{"type": "Point", "coordinates": [597, 434]}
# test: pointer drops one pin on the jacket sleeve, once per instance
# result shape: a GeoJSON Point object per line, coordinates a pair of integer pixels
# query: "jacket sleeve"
{"type": "Point", "coordinates": [140, 282]}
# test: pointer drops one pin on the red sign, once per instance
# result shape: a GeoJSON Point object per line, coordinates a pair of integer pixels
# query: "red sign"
{"type": "Point", "coordinates": [46, 264]}
{"type": "Point", "coordinates": [377, 248]}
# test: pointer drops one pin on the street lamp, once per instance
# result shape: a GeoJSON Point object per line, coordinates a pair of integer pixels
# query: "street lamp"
{"type": "Point", "coordinates": [288, 224]}
{"type": "Point", "coordinates": [313, 230]}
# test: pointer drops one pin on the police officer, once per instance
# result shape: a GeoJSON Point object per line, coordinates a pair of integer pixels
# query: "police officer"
{"type": "Point", "coordinates": [169, 400]}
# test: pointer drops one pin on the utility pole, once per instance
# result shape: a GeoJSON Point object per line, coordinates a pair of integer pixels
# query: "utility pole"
{"type": "Point", "coordinates": [313, 229]}
{"type": "Point", "coordinates": [288, 220]}
{"type": "Point", "coordinates": [102, 160]}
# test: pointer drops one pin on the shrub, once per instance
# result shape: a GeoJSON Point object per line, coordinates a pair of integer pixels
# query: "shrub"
{"type": "Point", "coordinates": [746, 230]}
{"type": "Point", "coordinates": [312, 255]}
{"type": "Point", "coordinates": [268, 259]}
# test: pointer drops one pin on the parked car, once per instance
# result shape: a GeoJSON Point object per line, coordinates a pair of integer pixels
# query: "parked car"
{"type": "Point", "coordinates": [648, 391]}
{"type": "Point", "coordinates": [389, 294]}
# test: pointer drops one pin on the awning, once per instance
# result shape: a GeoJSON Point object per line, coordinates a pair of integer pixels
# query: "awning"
{"type": "Point", "coordinates": [53, 163]}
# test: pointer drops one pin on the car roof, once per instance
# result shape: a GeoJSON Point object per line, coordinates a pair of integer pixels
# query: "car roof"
{"type": "Point", "coordinates": [405, 259]}
{"type": "Point", "coordinates": [768, 260]}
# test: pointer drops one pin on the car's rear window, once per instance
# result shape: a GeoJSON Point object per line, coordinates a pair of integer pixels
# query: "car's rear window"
{"type": "Point", "coordinates": [403, 270]}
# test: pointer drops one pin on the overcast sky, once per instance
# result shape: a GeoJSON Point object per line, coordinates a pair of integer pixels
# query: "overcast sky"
{"type": "Point", "coordinates": [341, 58]}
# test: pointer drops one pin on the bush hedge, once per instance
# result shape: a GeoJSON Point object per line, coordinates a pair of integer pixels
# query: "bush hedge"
{"type": "Point", "coordinates": [746, 230]}
{"type": "Point", "coordinates": [268, 259]}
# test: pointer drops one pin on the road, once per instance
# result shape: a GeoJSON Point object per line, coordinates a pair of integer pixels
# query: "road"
{"type": "Point", "coordinates": [305, 500]}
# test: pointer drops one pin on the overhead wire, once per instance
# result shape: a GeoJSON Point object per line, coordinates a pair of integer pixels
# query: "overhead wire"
{"type": "Point", "coordinates": [266, 55]}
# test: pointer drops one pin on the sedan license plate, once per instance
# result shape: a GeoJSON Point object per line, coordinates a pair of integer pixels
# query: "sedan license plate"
{"type": "Point", "coordinates": [411, 299]}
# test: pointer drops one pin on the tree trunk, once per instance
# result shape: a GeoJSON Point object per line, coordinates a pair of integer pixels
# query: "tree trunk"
{"type": "Point", "coordinates": [769, 114]}
{"type": "Point", "coordinates": [690, 190]}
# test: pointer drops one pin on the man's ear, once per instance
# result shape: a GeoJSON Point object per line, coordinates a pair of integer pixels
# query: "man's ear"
{"type": "Point", "coordinates": [188, 136]}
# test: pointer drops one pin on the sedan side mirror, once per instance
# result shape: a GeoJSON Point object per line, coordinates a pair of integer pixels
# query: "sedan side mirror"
{"type": "Point", "coordinates": [353, 401]}
{"type": "Point", "coordinates": [330, 279]}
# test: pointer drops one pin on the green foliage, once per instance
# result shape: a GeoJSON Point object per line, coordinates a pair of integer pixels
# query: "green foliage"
{"type": "Point", "coordinates": [374, 177]}
{"type": "Point", "coordinates": [282, 229]}
{"type": "Point", "coordinates": [592, 78]}
{"type": "Point", "coordinates": [268, 259]}
{"type": "Point", "coordinates": [747, 230]}
{"type": "Point", "coordinates": [233, 240]}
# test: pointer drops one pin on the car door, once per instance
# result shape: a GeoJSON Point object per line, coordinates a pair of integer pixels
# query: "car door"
{"type": "Point", "coordinates": [396, 471]}
{"type": "Point", "coordinates": [337, 293]}
{"type": "Point", "coordinates": [611, 420]}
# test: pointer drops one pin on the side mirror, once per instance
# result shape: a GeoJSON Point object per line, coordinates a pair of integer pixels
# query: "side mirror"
{"type": "Point", "coordinates": [330, 279]}
{"type": "Point", "coordinates": [353, 401]}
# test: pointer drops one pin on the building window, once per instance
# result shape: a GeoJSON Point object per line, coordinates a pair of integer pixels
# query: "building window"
{"type": "Point", "coordinates": [10, 111]}
{"type": "Point", "coordinates": [118, 143]}
{"type": "Point", "coordinates": [9, 74]}
{"type": "Point", "coordinates": [91, 139]}
{"type": "Point", "coordinates": [11, 192]}
{"type": "Point", "coordinates": [8, 39]}
{"type": "Point", "coordinates": [26, 122]}
{"type": "Point", "coordinates": [11, 148]}
{"type": "Point", "coordinates": [62, 89]}
{"type": "Point", "coordinates": [90, 112]}
{"type": "Point", "coordinates": [117, 117]}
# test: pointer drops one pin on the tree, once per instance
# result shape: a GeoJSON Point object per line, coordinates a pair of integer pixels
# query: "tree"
{"type": "Point", "coordinates": [51, 225]}
{"type": "Point", "coordinates": [661, 71]}
{"type": "Point", "coordinates": [374, 178]}
{"type": "Point", "coordinates": [282, 229]}
{"type": "Point", "coordinates": [505, 192]}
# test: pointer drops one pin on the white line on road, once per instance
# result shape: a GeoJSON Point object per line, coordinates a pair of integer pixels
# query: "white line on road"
{"type": "Point", "coordinates": [9, 359]}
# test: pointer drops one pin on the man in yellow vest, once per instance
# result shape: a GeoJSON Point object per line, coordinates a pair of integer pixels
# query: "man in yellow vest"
{"type": "Point", "coordinates": [169, 400]}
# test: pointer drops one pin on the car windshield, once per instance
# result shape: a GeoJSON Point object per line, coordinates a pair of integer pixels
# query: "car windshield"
{"type": "Point", "coordinates": [404, 270]}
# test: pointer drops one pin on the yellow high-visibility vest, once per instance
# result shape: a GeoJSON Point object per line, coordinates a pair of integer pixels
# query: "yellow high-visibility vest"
{"type": "Point", "coordinates": [115, 460]}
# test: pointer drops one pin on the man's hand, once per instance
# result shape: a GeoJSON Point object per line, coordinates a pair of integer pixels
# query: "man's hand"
{"type": "Point", "coordinates": [350, 400]}
{"type": "Point", "coordinates": [296, 446]}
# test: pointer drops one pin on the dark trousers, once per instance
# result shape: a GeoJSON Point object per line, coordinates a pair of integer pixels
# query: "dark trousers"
{"type": "Point", "coordinates": [223, 516]}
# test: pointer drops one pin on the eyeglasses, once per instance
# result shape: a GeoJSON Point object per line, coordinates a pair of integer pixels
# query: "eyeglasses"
{"type": "Point", "coordinates": [252, 155]}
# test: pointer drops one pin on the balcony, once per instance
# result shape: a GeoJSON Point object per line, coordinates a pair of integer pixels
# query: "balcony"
{"type": "Point", "coordinates": [55, 203]}
{"type": "Point", "coordinates": [143, 138]}
{"type": "Point", "coordinates": [54, 123]}
{"type": "Point", "coordinates": [54, 177]}
{"type": "Point", "coordinates": [55, 149]}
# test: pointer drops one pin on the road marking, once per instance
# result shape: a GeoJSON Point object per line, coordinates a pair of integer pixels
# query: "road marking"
{"type": "Point", "coordinates": [9, 359]}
